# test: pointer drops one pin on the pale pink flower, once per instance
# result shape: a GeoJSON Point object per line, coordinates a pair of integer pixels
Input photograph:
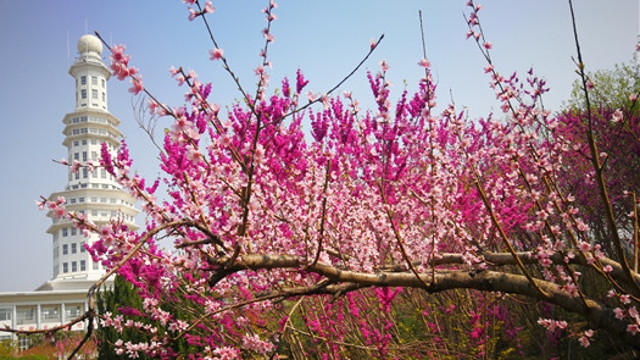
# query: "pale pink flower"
{"type": "Point", "coordinates": [617, 116]}
{"type": "Point", "coordinates": [216, 54]}
{"type": "Point", "coordinates": [619, 313]}
{"type": "Point", "coordinates": [311, 96]}
{"type": "Point", "coordinates": [384, 65]}
{"type": "Point", "coordinates": [607, 268]}
{"type": "Point", "coordinates": [192, 14]}
{"type": "Point", "coordinates": [626, 299]}
{"type": "Point", "coordinates": [488, 45]}
{"type": "Point", "coordinates": [209, 8]}
{"type": "Point", "coordinates": [633, 97]}
{"type": "Point", "coordinates": [137, 86]}
{"type": "Point", "coordinates": [584, 341]}
{"type": "Point", "coordinates": [424, 63]}
{"type": "Point", "coordinates": [633, 329]}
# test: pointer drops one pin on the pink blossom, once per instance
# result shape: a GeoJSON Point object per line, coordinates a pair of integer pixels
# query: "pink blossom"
{"type": "Point", "coordinates": [619, 313]}
{"type": "Point", "coordinates": [226, 353]}
{"type": "Point", "coordinates": [216, 54]}
{"type": "Point", "coordinates": [424, 63]}
{"type": "Point", "coordinates": [384, 66]}
{"type": "Point", "coordinates": [617, 116]}
{"type": "Point", "coordinates": [209, 8]}
{"type": "Point", "coordinates": [633, 329]}
{"type": "Point", "coordinates": [487, 45]}
{"type": "Point", "coordinates": [192, 14]}
{"type": "Point", "coordinates": [584, 341]}
{"type": "Point", "coordinates": [137, 86]}
{"type": "Point", "coordinates": [267, 35]}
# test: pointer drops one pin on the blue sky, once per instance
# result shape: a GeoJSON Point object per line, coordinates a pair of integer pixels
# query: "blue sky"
{"type": "Point", "coordinates": [325, 39]}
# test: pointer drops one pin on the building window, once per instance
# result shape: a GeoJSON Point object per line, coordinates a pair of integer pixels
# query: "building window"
{"type": "Point", "coordinates": [82, 248]}
{"type": "Point", "coordinates": [85, 173]}
{"type": "Point", "coordinates": [103, 83]}
{"type": "Point", "coordinates": [84, 142]}
{"type": "Point", "coordinates": [72, 311]}
{"type": "Point", "coordinates": [94, 80]}
{"type": "Point", "coordinates": [83, 265]}
{"type": "Point", "coordinates": [50, 313]}
{"type": "Point", "coordinates": [83, 94]}
{"type": "Point", "coordinates": [74, 266]}
{"type": "Point", "coordinates": [74, 248]}
{"type": "Point", "coordinates": [77, 175]}
{"type": "Point", "coordinates": [65, 249]}
{"type": "Point", "coordinates": [72, 201]}
{"type": "Point", "coordinates": [65, 232]}
{"type": "Point", "coordinates": [76, 143]}
{"type": "Point", "coordinates": [104, 97]}
{"type": "Point", "coordinates": [83, 80]}
{"type": "Point", "coordinates": [74, 231]}
{"type": "Point", "coordinates": [25, 316]}
{"type": "Point", "coordinates": [84, 156]}
{"type": "Point", "coordinates": [96, 266]}
{"type": "Point", "coordinates": [65, 267]}
{"type": "Point", "coordinates": [94, 94]}
{"type": "Point", "coordinates": [5, 314]}
{"type": "Point", "coordinates": [103, 173]}
{"type": "Point", "coordinates": [24, 342]}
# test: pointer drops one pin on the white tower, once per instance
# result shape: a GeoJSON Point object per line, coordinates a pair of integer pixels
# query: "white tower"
{"type": "Point", "coordinates": [93, 193]}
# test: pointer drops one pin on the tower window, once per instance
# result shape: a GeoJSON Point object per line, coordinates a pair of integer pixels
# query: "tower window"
{"type": "Point", "coordinates": [76, 143]}
{"type": "Point", "coordinates": [94, 80]}
{"type": "Point", "coordinates": [94, 94]}
{"type": "Point", "coordinates": [65, 267]}
{"type": "Point", "coordinates": [84, 155]}
{"type": "Point", "coordinates": [84, 93]}
{"type": "Point", "coordinates": [103, 83]}
{"type": "Point", "coordinates": [74, 248]}
{"type": "Point", "coordinates": [84, 142]}
{"type": "Point", "coordinates": [74, 231]}
{"type": "Point", "coordinates": [65, 232]}
{"type": "Point", "coordinates": [74, 266]}
{"type": "Point", "coordinates": [83, 265]}
{"type": "Point", "coordinates": [104, 97]}
{"type": "Point", "coordinates": [83, 80]}
{"type": "Point", "coordinates": [65, 249]}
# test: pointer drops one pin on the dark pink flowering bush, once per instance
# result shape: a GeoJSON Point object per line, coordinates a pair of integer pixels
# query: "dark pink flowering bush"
{"type": "Point", "coordinates": [284, 238]}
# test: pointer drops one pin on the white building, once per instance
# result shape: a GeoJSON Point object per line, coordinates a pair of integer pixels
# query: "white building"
{"type": "Point", "coordinates": [94, 193]}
